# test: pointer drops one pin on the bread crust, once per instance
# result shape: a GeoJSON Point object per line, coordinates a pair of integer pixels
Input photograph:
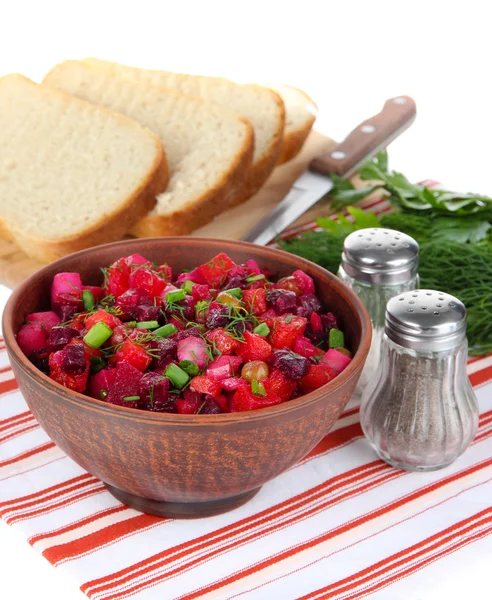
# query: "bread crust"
{"type": "Point", "coordinates": [293, 141]}
{"type": "Point", "coordinates": [207, 206]}
{"type": "Point", "coordinates": [259, 172]}
{"type": "Point", "coordinates": [109, 228]}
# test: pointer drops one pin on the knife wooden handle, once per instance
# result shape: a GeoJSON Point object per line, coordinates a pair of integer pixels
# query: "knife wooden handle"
{"type": "Point", "coordinates": [367, 138]}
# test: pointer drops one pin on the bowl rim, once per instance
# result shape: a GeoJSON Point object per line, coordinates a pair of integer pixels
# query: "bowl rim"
{"type": "Point", "coordinates": [15, 353]}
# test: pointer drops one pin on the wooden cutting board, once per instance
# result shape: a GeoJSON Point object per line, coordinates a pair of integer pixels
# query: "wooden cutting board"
{"type": "Point", "coordinates": [15, 266]}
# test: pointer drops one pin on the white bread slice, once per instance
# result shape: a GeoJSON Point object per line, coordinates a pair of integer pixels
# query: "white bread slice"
{"type": "Point", "coordinates": [261, 106]}
{"type": "Point", "coordinates": [209, 150]}
{"type": "Point", "coordinates": [300, 115]}
{"type": "Point", "coordinates": [72, 175]}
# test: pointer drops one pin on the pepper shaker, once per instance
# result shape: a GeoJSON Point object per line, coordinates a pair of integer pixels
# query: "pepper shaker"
{"type": "Point", "coordinates": [378, 264]}
{"type": "Point", "coordinates": [420, 412]}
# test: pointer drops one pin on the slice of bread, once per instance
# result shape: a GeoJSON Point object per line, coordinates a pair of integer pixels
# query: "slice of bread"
{"type": "Point", "coordinates": [261, 106]}
{"type": "Point", "coordinates": [300, 115]}
{"type": "Point", "coordinates": [209, 150]}
{"type": "Point", "coordinates": [72, 175]}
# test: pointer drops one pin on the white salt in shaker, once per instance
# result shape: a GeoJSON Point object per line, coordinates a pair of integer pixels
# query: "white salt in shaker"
{"type": "Point", "coordinates": [420, 412]}
{"type": "Point", "coordinates": [378, 264]}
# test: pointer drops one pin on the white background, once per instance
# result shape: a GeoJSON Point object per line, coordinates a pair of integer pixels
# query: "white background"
{"type": "Point", "coordinates": [349, 56]}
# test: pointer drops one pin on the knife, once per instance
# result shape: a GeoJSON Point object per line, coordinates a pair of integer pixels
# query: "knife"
{"type": "Point", "coordinates": [344, 160]}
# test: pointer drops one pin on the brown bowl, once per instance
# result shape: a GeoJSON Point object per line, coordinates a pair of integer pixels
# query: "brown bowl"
{"type": "Point", "coordinates": [184, 465]}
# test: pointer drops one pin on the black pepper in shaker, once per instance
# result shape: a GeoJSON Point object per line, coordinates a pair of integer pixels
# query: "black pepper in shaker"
{"type": "Point", "coordinates": [420, 412]}
{"type": "Point", "coordinates": [378, 264]}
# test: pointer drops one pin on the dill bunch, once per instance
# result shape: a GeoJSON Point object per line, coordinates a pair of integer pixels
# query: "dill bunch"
{"type": "Point", "coordinates": [465, 271]}
{"type": "Point", "coordinates": [321, 247]}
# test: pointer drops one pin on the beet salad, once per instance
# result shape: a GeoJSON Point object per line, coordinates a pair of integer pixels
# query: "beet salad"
{"type": "Point", "coordinates": [220, 338]}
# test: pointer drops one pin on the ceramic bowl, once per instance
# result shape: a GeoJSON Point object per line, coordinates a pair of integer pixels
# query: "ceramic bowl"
{"type": "Point", "coordinates": [184, 465]}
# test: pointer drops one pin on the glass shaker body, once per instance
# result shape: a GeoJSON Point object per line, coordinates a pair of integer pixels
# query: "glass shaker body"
{"type": "Point", "coordinates": [375, 297]}
{"type": "Point", "coordinates": [378, 264]}
{"type": "Point", "coordinates": [420, 411]}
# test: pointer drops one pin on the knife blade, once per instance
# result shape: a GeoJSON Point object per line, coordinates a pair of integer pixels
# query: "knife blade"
{"type": "Point", "coordinates": [344, 159]}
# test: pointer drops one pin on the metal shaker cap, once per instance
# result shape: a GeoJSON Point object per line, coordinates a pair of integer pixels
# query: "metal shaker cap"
{"type": "Point", "coordinates": [380, 256]}
{"type": "Point", "coordinates": [426, 320]}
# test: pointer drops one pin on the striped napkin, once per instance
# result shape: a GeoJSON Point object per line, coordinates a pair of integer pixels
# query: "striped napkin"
{"type": "Point", "coordinates": [341, 524]}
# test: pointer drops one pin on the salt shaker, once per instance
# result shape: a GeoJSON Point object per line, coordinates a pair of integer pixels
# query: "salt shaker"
{"type": "Point", "coordinates": [378, 264]}
{"type": "Point", "coordinates": [420, 412]}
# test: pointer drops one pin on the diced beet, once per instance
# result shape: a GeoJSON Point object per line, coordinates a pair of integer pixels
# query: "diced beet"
{"type": "Point", "coordinates": [215, 271]}
{"type": "Point", "coordinates": [329, 322]}
{"type": "Point", "coordinates": [255, 347]}
{"type": "Point", "coordinates": [195, 276]}
{"type": "Point", "coordinates": [285, 330]}
{"type": "Point", "coordinates": [120, 334]}
{"type": "Point", "coordinates": [133, 260]}
{"type": "Point", "coordinates": [240, 327]}
{"type": "Point", "coordinates": [168, 288]}
{"type": "Point", "coordinates": [336, 360]}
{"type": "Point", "coordinates": [116, 278]}
{"type": "Point", "coordinates": [221, 401]}
{"type": "Point", "coordinates": [190, 403]}
{"type": "Point", "coordinates": [244, 399]}
{"type": "Point", "coordinates": [47, 319]}
{"type": "Point", "coordinates": [255, 301]}
{"type": "Point", "coordinates": [145, 281]}
{"type": "Point", "coordinates": [134, 353]}
{"type": "Point", "coordinates": [101, 381]}
{"type": "Point", "coordinates": [210, 406]}
{"type": "Point", "coordinates": [315, 335]}
{"type": "Point", "coordinates": [310, 303]}
{"type": "Point", "coordinates": [165, 271]}
{"type": "Point", "coordinates": [187, 407]}
{"type": "Point", "coordinates": [191, 395]}
{"type": "Point", "coordinates": [289, 283]}
{"type": "Point", "coordinates": [268, 314]}
{"type": "Point", "coordinates": [205, 385]}
{"type": "Point", "coordinates": [66, 295]}
{"type": "Point", "coordinates": [102, 316]}
{"type": "Point", "coordinates": [164, 351]}
{"type": "Point", "coordinates": [222, 340]}
{"type": "Point", "coordinates": [178, 323]}
{"type": "Point", "coordinates": [40, 359]}
{"type": "Point", "coordinates": [281, 301]}
{"type": "Point", "coordinates": [292, 365]}
{"type": "Point", "coordinates": [148, 313]}
{"type": "Point", "coordinates": [73, 381]}
{"type": "Point", "coordinates": [95, 290]}
{"type": "Point", "coordinates": [315, 321]}
{"type": "Point", "coordinates": [224, 367]}
{"type": "Point", "coordinates": [280, 385]}
{"type": "Point", "coordinates": [218, 315]}
{"type": "Point", "coordinates": [193, 349]}
{"type": "Point", "coordinates": [78, 322]}
{"type": "Point", "coordinates": [184, 309]}
{"type": "Point", "coordinates": [74, 361]}
{"type": "Point", "coordinates": [126, 384]}
{"type": "Point", "coordinates": [304, 281]}
{"type": "Point", "coordinates": [253, 267]}
{"type": "Point", "coordinates": [31, 338]}
{"type": "Point", "coordinates": [188, 332]}
{"type": "Point", "coordinates": [154, 393]}
{"type": "Point", "coordinates": [200, 292]}
{"type": "Point", "coordinates": [231, 383]}
{"type": "Point", "coordinates": [305, 347]}
{"type": "Point", "coordinates": [128, 302]}
{"type": "Point", "coordinates": [301, 312]}
{"type": "Point", "coordinates": [317, 376]}
{"type": "Point", "coordinates": [236, 278]}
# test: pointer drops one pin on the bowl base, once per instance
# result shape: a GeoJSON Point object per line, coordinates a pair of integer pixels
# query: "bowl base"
{"type": "Point", "coordinates": [181, 510]}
